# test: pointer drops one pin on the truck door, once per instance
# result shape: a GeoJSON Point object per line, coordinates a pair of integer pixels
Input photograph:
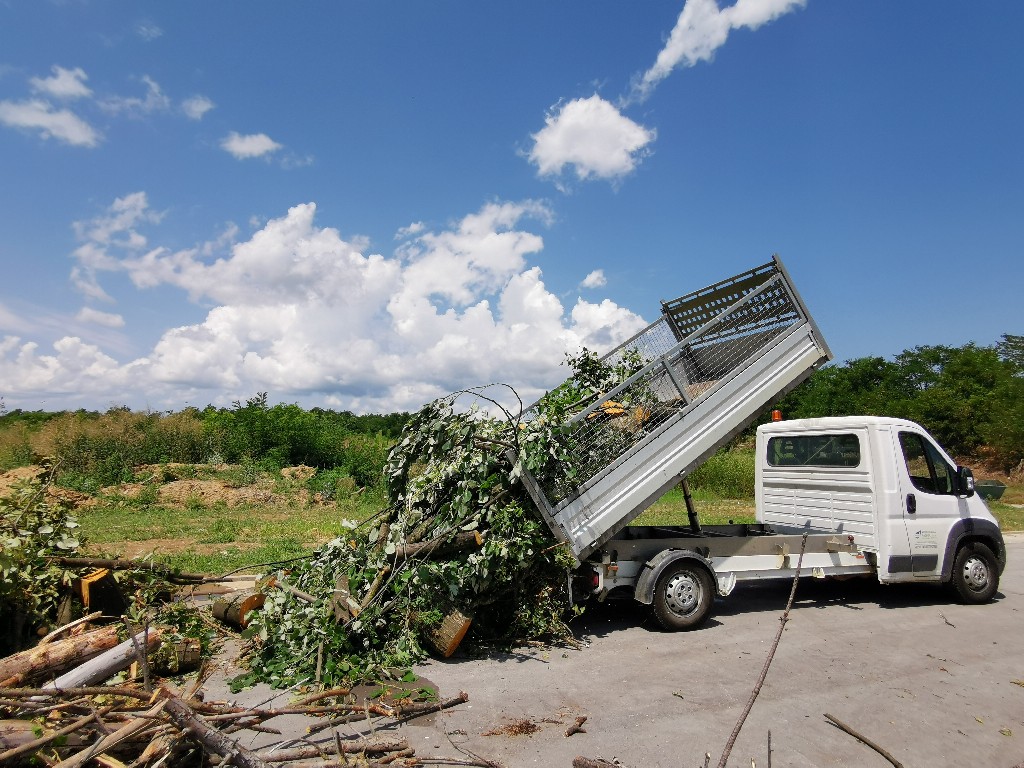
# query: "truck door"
{"type": "Point", "coordinates": [930, 501]}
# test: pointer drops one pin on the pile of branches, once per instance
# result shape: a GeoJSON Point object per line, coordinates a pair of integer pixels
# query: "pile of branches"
{"type": "Point", "coordinates": [459, 541]}
{"type": "Point", "coordinates": [117, 725]}
{"type": "Point", "coordinates": [459, 547]}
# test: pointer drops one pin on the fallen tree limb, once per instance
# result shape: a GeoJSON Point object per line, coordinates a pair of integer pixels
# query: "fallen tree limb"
{"type": "Point", "coordinates": [53, 658]}
{"type": "Point", "coordinates": [70, 625]}
{"type": "Point", "coordinates": [767, 663]}
{"type": "Point", "coordinates": [45, 739]}
{"type": "Point", "coordinates": [345, 747]}
{"type": "Point", "coordinates": [440, 547]}
{"type": "Point", "coordinates": [108, 663]}
{"type": "Point", "coordinates": [133, 565]}
{"type": "Point", "coordinates": [88, 690]}
{"type": "Point", "coordinates": [110, 741]}
{"type": "Point", "coordinates": [282, 584]}
{"type": "Point", "coordinates": [212, 740]}
{"type": "Point", "coordinates": [860, 737]}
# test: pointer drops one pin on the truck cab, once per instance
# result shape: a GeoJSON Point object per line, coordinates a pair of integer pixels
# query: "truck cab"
{"type": "Point", "coordinates": [887, 483]}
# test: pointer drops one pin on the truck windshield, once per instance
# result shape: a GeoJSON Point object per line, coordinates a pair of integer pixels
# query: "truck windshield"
{"type": "Point", "coordinates": [814, 450]}
{"type": "Point", "coordinates": [928, 471]}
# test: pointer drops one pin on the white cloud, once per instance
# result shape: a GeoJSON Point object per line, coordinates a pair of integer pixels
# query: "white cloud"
{"type": "Point", "coordinates": [595, 279]}
{"type": "Point", "coordinates": [95, 317]}
{"type": "Point", "coordinates": [701, 29]}
{"type": "Point", "coordinates": [63, 84]}
{"type": "Point", "coordinates": [154, 101]}
{"type": "Point", "coordinates": [120, 222]}
{"type": "Point", "coordinates": [148, 31]}
{"type": "Point", "coordinates": [73, 367]}
{"type": "Point", "coordinates": [106, 238]}
{"type": "Point", "coordinates": [304, 313]}
{"type": "Point", "coordinates": [409, 231]}
{"type": "Point", "coordinates": [592, 136]}
{"type": "Point", "coordinates": [196, 106]}
{"type": "Point", "coordinates": [60, 124]}
{"type": "Point", "coordinates": [251, 145]}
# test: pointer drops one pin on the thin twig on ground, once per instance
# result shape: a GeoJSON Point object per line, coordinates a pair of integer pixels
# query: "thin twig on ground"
{"type": "Point", "coordinates": [844, 727]}
{"type": "Point", "coordinates": [771, 654]}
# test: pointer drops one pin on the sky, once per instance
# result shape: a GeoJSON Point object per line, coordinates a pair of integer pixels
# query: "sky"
{"type": "Point", "coordinates": [366, 205]}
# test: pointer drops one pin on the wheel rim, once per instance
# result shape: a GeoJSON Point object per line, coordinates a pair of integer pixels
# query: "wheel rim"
{"type": "Point", "coordinates": [975, 573]}
{"type": "Point", "coordinates": [682, 594]}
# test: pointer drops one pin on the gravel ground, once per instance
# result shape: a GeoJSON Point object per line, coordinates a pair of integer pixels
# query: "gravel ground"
{"type": "Point", "coordinates": [933, 682]}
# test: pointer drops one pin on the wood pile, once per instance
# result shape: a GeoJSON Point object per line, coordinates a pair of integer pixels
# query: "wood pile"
{"type": "Point", "coordinates": [113, 726]}
{"type": "Point", "coordinates": [59, 707]}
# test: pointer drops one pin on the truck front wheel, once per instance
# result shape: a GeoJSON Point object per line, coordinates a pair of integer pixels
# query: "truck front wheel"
{"type": "Point", "coordinates": [975, 573]}
{"type": "Point", "coordinates": [683, 596]}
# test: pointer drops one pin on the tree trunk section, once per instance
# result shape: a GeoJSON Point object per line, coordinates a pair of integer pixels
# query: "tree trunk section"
{"type": "Point", "coordinates": [235, 610]}
{"type": "Point", "coordinates": [107, 664]}
{"type": "Point", "coordinates": [53, 658]}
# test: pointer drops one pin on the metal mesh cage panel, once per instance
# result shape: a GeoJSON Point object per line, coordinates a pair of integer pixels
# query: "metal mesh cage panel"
{"type": "Point", "coordinates": [679, 372]}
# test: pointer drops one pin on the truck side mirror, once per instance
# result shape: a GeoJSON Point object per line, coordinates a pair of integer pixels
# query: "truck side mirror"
{"type": "Point", "coordinates": [965, 479]}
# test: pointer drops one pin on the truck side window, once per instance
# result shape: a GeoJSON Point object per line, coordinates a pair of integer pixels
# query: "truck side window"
{"type": "Point", "coordinates": [928, 471]}
{"type": "Point", "coordinates": [814, 451]}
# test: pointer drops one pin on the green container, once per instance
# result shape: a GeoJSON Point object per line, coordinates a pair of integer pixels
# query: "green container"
{"type": "Point", "coordinates": [990, 490]}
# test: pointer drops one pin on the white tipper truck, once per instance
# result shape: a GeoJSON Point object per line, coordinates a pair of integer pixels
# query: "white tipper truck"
{"type": "Point", "coordinates": [876, 496]}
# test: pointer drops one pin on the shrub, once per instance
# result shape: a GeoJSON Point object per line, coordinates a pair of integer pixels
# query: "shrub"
{"type": "Point", "coordinates": [331, 484]}
{"type": "Point", "coordinates": [15, 446]}
{"type": "Point", "coordinates": [93, 450]}
{"type": "Point", "coordinates": [729, 474]}
{"type": "Point", "coordinates": [32, 527]}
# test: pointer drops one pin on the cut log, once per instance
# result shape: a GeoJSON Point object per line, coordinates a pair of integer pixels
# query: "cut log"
{"type": "Point", "coordinates": [107, 664]}
{"type": "Point", "coordinates": [446, 637]}
{"type": "Point", "coordinates": [54, 658]}
{"type": "Point", "coordinates": [176, 657]}
{"type": "Point", "coordinates": [235, 610]}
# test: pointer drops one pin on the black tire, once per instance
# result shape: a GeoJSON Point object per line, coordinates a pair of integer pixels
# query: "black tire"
{"type": "Point", "coordinates": [683, 596]}
{"type": "Point", "coordinates": [975, 573]}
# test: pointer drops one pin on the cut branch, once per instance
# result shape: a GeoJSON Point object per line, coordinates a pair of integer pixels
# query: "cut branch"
{"type": "Point", "coordinates": [213, 740]}
{"type": "Point", "coordinates": [771, 655]}
{"type": "Point", "coordinates": [132, 565]}
{"type": "Point", "coordinates": [844, 727]}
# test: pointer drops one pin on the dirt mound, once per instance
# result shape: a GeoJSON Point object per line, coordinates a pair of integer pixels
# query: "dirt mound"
{"type": "Point", "coordinates": [209, 492]}
{"type": "Point", "coordinates": [19, 474]}
{"type": "Point", "coordinates": [301, 473]}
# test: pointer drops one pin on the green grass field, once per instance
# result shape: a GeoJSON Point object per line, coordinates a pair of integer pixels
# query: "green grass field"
{"type": "Point", "coordinates": [201, 535]}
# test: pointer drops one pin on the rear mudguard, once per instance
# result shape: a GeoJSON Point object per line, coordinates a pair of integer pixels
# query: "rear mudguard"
{"type": "Point", "coordinates": [653, 568]}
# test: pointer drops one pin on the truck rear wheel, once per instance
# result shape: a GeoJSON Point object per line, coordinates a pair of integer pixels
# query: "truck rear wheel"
{"type": "Point", "coordinates": [683, 596]}
{"type": "Point", "coordinates": [975, 573]}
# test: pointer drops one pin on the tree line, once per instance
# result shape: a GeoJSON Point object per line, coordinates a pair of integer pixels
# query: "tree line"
{"type": "Point", "coordinates": [971, 398]}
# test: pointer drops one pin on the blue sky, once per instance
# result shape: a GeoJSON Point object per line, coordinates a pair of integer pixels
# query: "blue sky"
{"type": "Point", "coordinates": [365, 205]}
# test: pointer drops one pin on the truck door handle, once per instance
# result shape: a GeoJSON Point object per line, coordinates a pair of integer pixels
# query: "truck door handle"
{"type": "Point", "coordinates": [911, 503]}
